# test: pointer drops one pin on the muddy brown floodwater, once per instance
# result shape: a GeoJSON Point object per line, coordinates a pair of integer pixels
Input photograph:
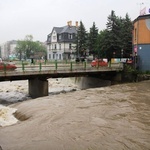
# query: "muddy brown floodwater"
{"type": "Point", "coordinates": [108, 118]}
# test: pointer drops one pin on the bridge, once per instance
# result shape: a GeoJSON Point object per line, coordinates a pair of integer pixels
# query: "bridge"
{"type": "Point", "coordinates": [37, 75]}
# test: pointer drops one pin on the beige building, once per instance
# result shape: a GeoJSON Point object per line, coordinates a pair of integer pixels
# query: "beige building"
{"type": "Point", "coordinates": [8, 49]}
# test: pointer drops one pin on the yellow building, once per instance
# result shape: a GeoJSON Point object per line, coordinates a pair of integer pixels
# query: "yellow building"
{"type": "Point", "coordinates": [141, 42]}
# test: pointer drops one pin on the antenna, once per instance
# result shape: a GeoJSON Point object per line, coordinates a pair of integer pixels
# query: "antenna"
{"type": "Point", "coordinates": [142, 11]}
{"type": "Point", "coordinates": [141, 6]}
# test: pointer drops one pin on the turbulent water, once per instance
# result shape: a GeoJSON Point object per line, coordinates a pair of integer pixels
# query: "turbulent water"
{"type": "Point", "coordinates": [107, 118]}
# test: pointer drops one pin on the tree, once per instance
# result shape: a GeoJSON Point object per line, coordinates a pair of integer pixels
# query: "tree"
{"type": "Point", "coordinates": [92, 39]}
{"type": "Point", "coordinates": [81, 40]}
{"type": "Point", "coordinates": [101, 44]}
{"type": "Point", "coordinates": [113, 28]}
{"type": "Point", "coordinates": [126, 37]}
{"type": "Point", "coordinates": [116, 39]}
{"type": "Point", "coordinates": [27, 47]}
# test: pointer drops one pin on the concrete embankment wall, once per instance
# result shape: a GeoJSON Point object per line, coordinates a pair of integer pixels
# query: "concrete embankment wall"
{"type": "Point", "coordinates": [90, 82]}
{"type": "Point", "coordinates": [39, 88]}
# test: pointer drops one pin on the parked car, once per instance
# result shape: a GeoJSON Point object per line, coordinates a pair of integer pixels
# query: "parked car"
{"type": "Point", "coordinates": [9, 66]}
{"type": "Point", "coordinates": [98, 62]}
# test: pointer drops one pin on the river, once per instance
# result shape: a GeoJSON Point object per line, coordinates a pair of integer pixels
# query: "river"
{"type": "Point", "coordinates": [107, 118]}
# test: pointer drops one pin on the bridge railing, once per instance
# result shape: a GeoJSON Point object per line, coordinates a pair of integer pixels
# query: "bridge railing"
{"type": "Point", "coordinates": [66, 66]}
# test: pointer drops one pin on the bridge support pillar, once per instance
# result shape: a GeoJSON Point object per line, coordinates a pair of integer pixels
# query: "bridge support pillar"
{"type": "Point", "coordinates": [38, 88]}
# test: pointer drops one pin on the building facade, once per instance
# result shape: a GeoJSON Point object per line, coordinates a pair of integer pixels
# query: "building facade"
{"type": "Point", "coordinates": [141, 42]}
{"type": "Point", "coordinates": [8, 50]}
{"type": "Point", "coordinates": [61, 42]}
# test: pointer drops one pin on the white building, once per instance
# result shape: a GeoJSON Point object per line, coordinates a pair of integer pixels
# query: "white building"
{"type": "Point", "coordinates": [61, 42]}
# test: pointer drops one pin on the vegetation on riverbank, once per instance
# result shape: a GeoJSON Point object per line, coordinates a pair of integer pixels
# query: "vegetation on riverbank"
{"type": "Point", "coordinates": [133, 75]}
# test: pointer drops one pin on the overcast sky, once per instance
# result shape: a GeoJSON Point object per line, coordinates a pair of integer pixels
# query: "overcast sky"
{"type": "Point", "coordinates": [19, 18]}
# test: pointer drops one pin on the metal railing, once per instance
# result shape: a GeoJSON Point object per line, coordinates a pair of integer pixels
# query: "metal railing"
{"type": "Point", "coordinates": [56, 66]}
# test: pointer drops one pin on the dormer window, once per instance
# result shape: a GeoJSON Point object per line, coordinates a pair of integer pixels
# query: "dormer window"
{"type": "Point", "coordinates": [70, 36]}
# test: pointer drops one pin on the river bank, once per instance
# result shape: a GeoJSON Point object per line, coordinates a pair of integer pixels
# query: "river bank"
{"type": "Point", "coordinates": [114, 117]}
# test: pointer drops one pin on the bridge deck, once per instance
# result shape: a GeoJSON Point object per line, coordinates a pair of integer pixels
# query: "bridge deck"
{"type": "Point", "coordinates": [52, 71]}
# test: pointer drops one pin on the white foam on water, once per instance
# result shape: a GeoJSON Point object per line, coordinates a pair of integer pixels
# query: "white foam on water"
{"type": "Point", "coordinates": [6, 116]}
{"type": "Point", "coordinates": [17, 91]}
{"type": "Point", "coordinates": [12, 96]}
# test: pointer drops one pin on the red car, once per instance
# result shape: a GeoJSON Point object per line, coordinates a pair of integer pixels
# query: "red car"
{"type": "Point", "coordinates": [129, 61]}
{"type": "Point", "coordinates": [98, 62]}
{"type": "Point", "coordinates": [8, 66]}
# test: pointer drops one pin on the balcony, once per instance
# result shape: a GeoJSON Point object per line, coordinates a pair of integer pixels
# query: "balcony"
{"type": "Point", "coordinates": [63, 50]}
{"type": "Point", "coordinates": [69, 50]}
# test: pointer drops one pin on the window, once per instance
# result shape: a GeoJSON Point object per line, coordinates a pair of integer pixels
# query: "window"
{"type": "Point", "coordinates": [70, 46]}
{"type": "Point", "coordinates": [54, 37]}
{"type": "Point", "coordinates": [55, 46]}
{"type": "Point", "coordinates": [60, 46]}
{"type": "Point", "coordinates": [49, 56]}
{"type": "Point", "coordinates": [69, 36]}
{"type": "Point", "coordinates": [59, 56]}
{"type": "Point", "coordinates": [53, 56]}
{"type": "Point", "coordinates": [49, 47]}
{"type": "Point", "coordinates": [135, 34]}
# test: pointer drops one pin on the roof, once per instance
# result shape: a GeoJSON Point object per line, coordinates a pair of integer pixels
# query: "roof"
{"type": "Point", "coordinates": [65, 29]}
{"type": "Point", "coordinates": [69, 29]}
{"type": "Point", "coordinates": [142, 17]}
{"type": "Point", "coordinates": [58, 29]}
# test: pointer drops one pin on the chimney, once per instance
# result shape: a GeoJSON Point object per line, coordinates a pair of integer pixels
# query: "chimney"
{"type": "Point", "coordinates": [76, 23]}
{"type": "Point", "coordinates": [69, 23]}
